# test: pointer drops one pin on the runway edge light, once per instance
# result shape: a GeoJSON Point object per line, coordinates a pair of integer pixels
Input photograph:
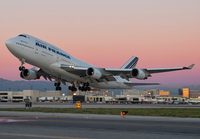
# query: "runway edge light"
{"type": "Point", "coordinates": [124, 113]}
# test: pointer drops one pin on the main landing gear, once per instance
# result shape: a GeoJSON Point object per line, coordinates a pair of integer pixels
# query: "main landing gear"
{"type": "Point", "coordinates": [57, 85]}
{"type": "Point", "coordinates": [83, 87]}
{"type": "Point", "coordinates": [72, 88]}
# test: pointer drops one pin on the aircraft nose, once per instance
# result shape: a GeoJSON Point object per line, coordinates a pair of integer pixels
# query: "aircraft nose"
{"type": "Point", "coordinates": [9, 43]}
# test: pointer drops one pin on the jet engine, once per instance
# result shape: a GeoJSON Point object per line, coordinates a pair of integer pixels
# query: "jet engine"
{"type": "Point", "coordinates": [138, 74]}
{"type": "Point", "coordinates": [28, 74]}
{"type": "Point", "coordinates": [94, 73]}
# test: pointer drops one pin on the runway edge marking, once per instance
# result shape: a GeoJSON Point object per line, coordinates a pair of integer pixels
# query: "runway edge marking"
{"type": "Point", "coordinates": [12, 120]}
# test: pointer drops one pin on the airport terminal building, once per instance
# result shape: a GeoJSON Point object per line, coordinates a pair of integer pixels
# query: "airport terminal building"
{"type": "Point", "coordinates": [95, 96]}
{"type": "Point", "coordinates": [98, 96]}
{"type": "Point", "coordinates": [34, 95]}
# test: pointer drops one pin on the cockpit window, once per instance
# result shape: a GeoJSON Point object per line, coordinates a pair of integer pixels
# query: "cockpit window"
{"type": "Point", "coordinates": [23, 35]}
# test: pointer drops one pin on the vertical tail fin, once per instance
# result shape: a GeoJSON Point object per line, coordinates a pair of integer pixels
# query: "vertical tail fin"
{"type": "Point", "coordinates": [131, 63]}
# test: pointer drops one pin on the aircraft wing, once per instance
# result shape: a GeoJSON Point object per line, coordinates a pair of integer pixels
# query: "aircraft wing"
{"type": "Point", "coordinates": [159, 70]}
{"type": "Point", "coordinates": [106, 74]}
{"type": "Point", "coordinates": [45, 75]}
{"type": "Point", "coordinates": [80, 71]}
{"type": "Point", "coordinates": [116, 72]}
{"type": "Point", "coordinates": [142, 73]}
{"type": "Point", "coordinates": [139, 84]}
{"type": "Point", "coordinates": [152, 70]}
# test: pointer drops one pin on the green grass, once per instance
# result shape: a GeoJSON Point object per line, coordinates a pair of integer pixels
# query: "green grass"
{"type": "Point", "coordinates": [167, 112]}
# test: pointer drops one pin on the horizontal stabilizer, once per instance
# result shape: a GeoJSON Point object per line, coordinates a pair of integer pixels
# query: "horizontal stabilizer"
{"type": "Point", "coordinates": [140, 84]}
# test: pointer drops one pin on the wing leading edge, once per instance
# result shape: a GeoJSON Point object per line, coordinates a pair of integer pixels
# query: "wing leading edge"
{"type": "Point", "coordinates": [108, 73]}
{"type": "Point", "coordinates": [159, 70]}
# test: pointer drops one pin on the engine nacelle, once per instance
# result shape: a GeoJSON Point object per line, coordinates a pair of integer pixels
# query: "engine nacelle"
{"type": "Point", "coordinates": [28, 74]}
{"type": "Point", "coordinates": [94, 73]}
{"type": "Point", "coordinates": [138, 74]}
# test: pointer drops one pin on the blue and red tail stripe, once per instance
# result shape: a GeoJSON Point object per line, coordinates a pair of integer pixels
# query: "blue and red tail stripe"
{"type": "Point", "coordinates": [132, 64]}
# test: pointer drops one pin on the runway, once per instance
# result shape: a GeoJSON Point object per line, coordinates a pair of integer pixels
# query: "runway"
{"type": "Point", "coordinates": [87, 126]}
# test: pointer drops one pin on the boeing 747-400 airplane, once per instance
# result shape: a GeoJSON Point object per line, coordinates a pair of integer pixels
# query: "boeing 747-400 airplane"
{"type": "Point", "coordinates": [54, 63]}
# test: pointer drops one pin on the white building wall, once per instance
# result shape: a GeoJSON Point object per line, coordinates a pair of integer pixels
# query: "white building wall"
{"type": "Point", "coordinates": [133, 92]}
{"type": "Point", "coordinates": [33, 94]}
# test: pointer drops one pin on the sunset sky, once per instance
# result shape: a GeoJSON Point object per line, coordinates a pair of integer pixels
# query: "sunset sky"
{"type": "Point", "coordinates": [106, 33]}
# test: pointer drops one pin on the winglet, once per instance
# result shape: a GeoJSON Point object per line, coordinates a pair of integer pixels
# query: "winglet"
{"type": "Point", "coordinates": [190, 67]}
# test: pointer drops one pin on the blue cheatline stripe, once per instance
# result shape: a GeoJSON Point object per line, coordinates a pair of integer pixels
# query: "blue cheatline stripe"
{"type": "Point", "coordinates": [132, 63]}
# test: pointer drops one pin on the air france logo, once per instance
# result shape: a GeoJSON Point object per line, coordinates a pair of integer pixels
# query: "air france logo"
{"type": "Point", "coordinates": [51, 49]}
{"type": "Point", "coordinates": [41, 45]}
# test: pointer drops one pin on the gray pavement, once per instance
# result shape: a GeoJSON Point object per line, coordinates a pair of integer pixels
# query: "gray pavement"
{"type": "Point", "coordinates": [79, 126]}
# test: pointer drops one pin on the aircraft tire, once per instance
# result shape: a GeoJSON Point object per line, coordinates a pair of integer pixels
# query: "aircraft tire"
{"type": "Point", "coordinates": [21, 68]}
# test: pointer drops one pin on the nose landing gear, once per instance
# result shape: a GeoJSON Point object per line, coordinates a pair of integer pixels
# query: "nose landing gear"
{"type": "Point", "coordinates": [22, 63]}
{"type": "Point", "coordinates": [21, 68]}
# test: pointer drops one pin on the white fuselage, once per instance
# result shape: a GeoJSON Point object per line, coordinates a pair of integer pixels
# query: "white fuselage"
{"type": "Point", "coordinates": [46, 56]}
